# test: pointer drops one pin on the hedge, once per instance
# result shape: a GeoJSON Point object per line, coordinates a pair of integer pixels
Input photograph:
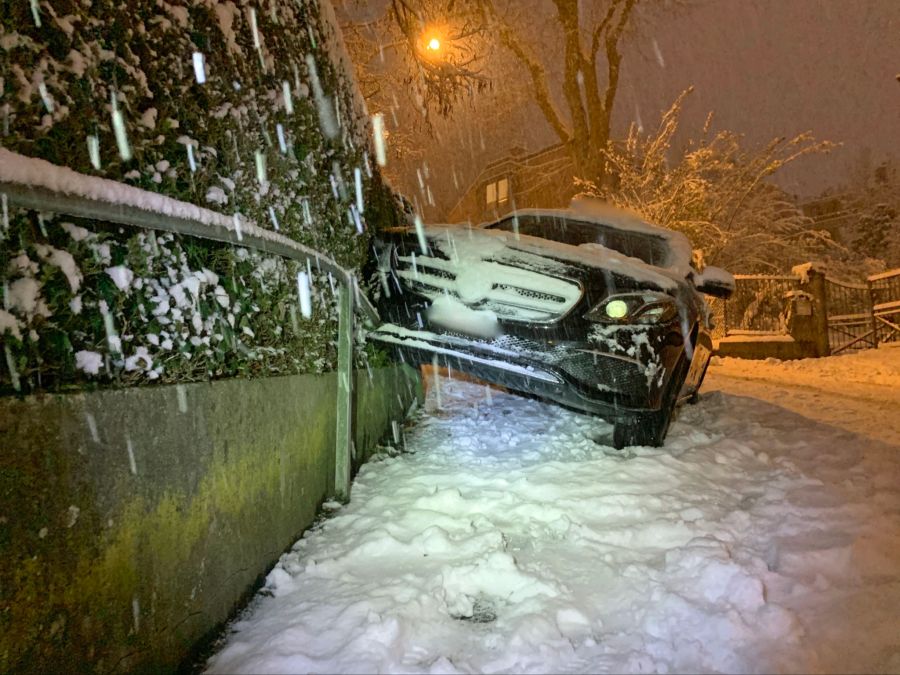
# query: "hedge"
{"type": "Point", "coordinates": [91, 303]}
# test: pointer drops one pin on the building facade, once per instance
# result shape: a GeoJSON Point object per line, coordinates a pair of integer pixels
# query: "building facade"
{"type": "Point", "coordinates": [544, 179]}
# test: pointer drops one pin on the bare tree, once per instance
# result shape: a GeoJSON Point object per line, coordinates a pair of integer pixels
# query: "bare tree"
{"type": "Point", "coordinates": [431, 51]}
{"type": "Point", "coordinates": [584, 56]}
{"type": "Point", "coordinates": [589, 48]}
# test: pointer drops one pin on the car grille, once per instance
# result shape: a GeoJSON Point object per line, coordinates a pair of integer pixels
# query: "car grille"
{"type": "Point", "coordinates": [512, 293]}
{"type": "Point", "coordinates": [593, 370]}
{"type": "Point", "coordinates": [605, 372]}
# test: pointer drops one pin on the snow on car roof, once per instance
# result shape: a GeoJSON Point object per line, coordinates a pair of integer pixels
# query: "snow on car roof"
{"type": "Point", "coordinates": [484, 241]}
{"type": "Point", "coordinates": [602, 213]}
{"type": "Point", "coordinates": [483, 244]}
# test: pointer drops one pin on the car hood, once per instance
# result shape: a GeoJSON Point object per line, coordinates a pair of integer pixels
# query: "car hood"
{"type": "Point", "coordinates": [465, 245]}
{"type": "Point", "coordinates": [481, 243]}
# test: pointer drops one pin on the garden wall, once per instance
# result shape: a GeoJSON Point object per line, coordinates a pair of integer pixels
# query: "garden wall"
{"type": "Point", "coordinates": [133, 522]}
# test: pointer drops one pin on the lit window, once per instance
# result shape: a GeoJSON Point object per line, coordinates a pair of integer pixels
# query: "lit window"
{"type": "Point", "coordinates": [491, 193]}
{"type": "Point", "coordinates": [503, 190]}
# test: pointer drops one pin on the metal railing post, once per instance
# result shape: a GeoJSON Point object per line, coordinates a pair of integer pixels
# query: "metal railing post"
{"type": "Point", "coordinates": [874, 320]}
{"type": "Point", "coordinates": [344, 432]}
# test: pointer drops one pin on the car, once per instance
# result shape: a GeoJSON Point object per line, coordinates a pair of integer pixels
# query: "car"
{"type": "Point", "coordinates": [590, 307]}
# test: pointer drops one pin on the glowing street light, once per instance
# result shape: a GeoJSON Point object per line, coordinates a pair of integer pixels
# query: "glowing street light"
{"type": "Point", "coordinates": [433, 44]}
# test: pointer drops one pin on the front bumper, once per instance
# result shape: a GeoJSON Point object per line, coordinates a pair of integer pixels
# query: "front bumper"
{"type": "Point", "coordinates": [574, 374]}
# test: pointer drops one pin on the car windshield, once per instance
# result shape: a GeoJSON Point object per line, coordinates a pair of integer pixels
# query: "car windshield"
{"type": "Point", "coordinates": [652, 250]}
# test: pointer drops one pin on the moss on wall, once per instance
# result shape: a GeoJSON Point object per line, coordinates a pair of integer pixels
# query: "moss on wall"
{"type": "Point", "coordinates": [118, 559]}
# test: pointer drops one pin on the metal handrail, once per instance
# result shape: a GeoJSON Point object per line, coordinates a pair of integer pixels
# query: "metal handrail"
{"type": "Point", "coordinates": [214, 226]}
{"type": "Point", "coordinates": [36, 184]}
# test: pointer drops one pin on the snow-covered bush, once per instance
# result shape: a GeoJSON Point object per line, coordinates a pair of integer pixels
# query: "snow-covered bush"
{"type": "Point", "coordinates": [267, 124]}
{"type": "Point", "coordinates": [716, 192]}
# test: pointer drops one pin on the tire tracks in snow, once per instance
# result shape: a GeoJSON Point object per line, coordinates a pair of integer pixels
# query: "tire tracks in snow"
{"type": "Point", "coordinates": [873, 415]}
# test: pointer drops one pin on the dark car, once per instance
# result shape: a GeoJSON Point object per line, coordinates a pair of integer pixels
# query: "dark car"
{"type": "Point", "coordinates": [590, 307]}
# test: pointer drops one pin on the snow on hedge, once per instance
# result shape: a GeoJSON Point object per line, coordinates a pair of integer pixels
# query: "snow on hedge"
{"type": "Point", "coordinates": [173, 109]}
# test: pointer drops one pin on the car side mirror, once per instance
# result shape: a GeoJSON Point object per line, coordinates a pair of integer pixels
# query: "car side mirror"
{"type": "Point", "coordinates": [714, 281]}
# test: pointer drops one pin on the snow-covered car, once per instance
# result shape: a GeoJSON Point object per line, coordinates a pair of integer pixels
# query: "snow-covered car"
{"type": "Point", "coordinates": [590, 307]}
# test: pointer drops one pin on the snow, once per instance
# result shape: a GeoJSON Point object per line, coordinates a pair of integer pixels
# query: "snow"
{"type": "Point", "coordinates": [304, 294]}
{"type": "Point", "coordinates": [333, 45]}
{"type": "Point", "coordinates": [140, 360]}
{"type": "Point", "coordinates": [802, 271]}
{"type": "Point", "coordinates": [24, 295]}
{"type": "Point", "coordinates": [77, 233]}
{"type": "Point", "coordinates": [477, 274]}
{"type": "Point", "coordinates": [225, 15]}
{"type": "Point", "coordinates": [64, 261]}
{"type": "Point", "coordinates": [328, 121]}
{"type": "Point", "coordinates": [378, 137]}
{"type": "Point", "coordinates": [22, 170]}
{"type": "Point", "coordinates": [450, 313]}
{"type": "Point", "coordinates": [121, 276]}
{"type": "Point", "coordinates": [741, 337]}
{"type": "Point", "coordinates": [504, 539]}
{"type": "Point", "coordinates": [884, 275]}
{"type": "Point", "coordinates": [422, 340]}
{"type": "Point", "coordinates": [148, 118]}
{"type": "Point", "coordinates": [216, 195]}
{"type": "Point", "coordinates": [593, 255]}
{"type": "Point", "coordinates": [10, 323]}
{"type": "Point", "coordinates": [872, 373]}
{"type": "Point", "coordinates": [89, 362]}
{"type": "Point", "coordinates": [199, 67]}
{"type": "Point", "coordinates": [715, 276]}
{"type": "Point", "coordinates": [597, 211]}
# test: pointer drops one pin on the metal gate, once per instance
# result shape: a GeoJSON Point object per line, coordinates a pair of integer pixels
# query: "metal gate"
{"type": "Point", "coordinates": [884, 290]}
{"type": "Point", "coordinates": [849, 316]}
{"type": "Point", "coordinates": [759, 305]}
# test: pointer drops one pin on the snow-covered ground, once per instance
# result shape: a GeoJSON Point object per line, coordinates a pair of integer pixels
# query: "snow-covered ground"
{"type": "Point", "coordinates": [764, 537]}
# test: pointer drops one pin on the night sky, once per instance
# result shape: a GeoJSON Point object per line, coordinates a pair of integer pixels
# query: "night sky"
{"type": "Point", "coordinates": [767, 68]}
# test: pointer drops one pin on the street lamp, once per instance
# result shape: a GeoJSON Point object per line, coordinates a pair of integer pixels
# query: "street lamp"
{"type": "Point", "coordinates": [431, 41]}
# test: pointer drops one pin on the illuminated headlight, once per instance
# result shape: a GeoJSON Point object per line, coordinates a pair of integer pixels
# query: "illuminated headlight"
{"type": "Point", "coordinates": [616, 309]}
{"type": "Point", "coordinates": [634, 308]}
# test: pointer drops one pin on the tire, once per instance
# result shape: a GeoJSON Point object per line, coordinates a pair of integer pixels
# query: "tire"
{"type": "Point", "coordinates": [650, 428]}
{"type": "Point", "coordinates": [695, 397]}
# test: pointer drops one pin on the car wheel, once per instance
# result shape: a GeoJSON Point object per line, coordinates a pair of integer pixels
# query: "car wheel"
{"type": "Point", "coordinates": [650, 428]}
{"type": "Point", "coordinates": [695, 397]}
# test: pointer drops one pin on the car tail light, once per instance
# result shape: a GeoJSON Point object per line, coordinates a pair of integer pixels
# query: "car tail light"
{"type": "Point", "coordinates": [634, 308]}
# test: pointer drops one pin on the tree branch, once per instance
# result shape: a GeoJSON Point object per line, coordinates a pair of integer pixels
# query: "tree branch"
{"type": "Point", "coordinates": [536, 72]}
{"type": "Point", "coordinates": [567, 11]}
{"type": "Point", "coordinates": [614, 58]}
{"type": "Point", "coordinates": [596, 39]}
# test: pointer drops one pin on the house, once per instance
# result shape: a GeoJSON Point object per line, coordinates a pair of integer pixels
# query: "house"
{"type": "Point", "coordinates": [544, 179]}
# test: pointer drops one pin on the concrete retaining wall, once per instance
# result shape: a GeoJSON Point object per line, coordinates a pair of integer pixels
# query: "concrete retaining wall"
{"type": "Point", "coordinates": [133, 521]}
{"type": "Point", "coordinates": [777, 347]}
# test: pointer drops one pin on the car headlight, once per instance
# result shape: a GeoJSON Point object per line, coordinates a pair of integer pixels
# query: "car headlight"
{"type": "Point", "coordinates": [630, 308]}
